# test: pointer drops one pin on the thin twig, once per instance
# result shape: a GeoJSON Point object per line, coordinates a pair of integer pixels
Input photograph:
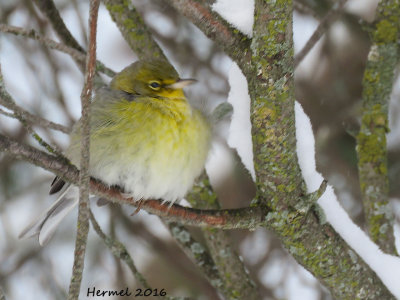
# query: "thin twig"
{"type": "Point", "coordinates": [49, 9]}
{"type": "Point", "coordinates": [329, 18]}
{"type": "Point", "coordinates": [302, 8]}
{"type": "Point", "coordinates": [25, 118]}
{"type": "Point", "coordinates": [119, 251]}
{"type": "Point", "coordinates": [84, 177]}
{"type": "Point", "coordinates": [79, 56]}
{"type": "Point", "coordinates": [22, 115]}
{"type": "Point", "coordinates": [75, 54]}
{"type": "Point", "coordinates": [8, 114]}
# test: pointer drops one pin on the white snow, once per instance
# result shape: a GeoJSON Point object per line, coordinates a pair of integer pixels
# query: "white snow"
{"type": "Point", "coordinates": [240, 129]}
{"type": "Point", "coordinates": [386, 266]}
{"type": "Point", "coordinates": [239, 13]}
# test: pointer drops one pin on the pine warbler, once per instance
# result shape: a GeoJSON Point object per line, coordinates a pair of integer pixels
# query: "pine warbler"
{"type": "Point", "coordinates": [145, 137]}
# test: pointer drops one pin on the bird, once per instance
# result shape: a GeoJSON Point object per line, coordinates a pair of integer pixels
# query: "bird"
{"type": "Point", "coordinates": [145, 138]}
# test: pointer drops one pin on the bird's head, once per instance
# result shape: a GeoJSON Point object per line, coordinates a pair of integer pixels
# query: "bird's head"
{"type": "Point", "coordinates": [154, 78]}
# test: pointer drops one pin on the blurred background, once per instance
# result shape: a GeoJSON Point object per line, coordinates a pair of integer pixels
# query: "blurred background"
{"type": "Point", "coordinates": [48, 83]}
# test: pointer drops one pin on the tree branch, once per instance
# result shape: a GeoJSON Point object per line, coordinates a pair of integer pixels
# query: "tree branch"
{"type": "Point", "coordinates": [29, 118]}
{"type": "Point", "coordinates": [78, 56]}
{"type": "Point", "coordinates": [22, 115]}
{"type": "Point", "coordinates": [26, 118]}
{"type": "Point", "coordinates": [304, 9]}
{"type": "Point", "coordinates": [84, 177]}
{"type": "Point", "coordinates": [119, 251]}
{"type": "Point", "coordinates": [49, 9]}
{"type": "Point", "coordinates": [231, 40]}
{"type": "Point", "coordinates": [371, 140]}
{"type": "Point", "coordinates": [169, 253]}
{"type": "Point", "coordinates": [198, 254]}
{"type": "Point", "coordinates": [133, 29]}
{"type": "Point", "coordinates": [279, 182]}
{"type": "Point", "coordinates": [235, 281]}
{"type": "Point", "coordinates": [329, 18]}
{"type": "Point", "coordinates": [249, 217]}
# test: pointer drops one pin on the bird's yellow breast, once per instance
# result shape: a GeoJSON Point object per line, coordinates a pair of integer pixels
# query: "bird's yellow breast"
{"type": "Point", "coordinates": [153, 148]}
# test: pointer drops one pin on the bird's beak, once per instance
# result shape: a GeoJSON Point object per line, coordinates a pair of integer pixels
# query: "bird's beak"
{"type": "Point", "coordinates": [181, 83]}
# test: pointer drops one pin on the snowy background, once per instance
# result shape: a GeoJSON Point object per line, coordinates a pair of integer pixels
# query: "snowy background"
{"type": "Point", "coordinates": [49, 84]}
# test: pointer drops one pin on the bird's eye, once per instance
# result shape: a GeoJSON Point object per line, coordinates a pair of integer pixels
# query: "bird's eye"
{"type": "Point", "coordinates": [155, 85]}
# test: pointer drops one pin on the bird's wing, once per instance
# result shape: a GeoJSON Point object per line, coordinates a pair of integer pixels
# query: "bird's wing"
{"type": "Point", "coordinates": [45, 226]}
{"type": "Point", "coordinates": [56, 185]}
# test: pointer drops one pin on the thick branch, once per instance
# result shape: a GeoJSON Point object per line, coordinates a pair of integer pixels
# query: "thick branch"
{"type": "Point", "coordinates": [235, 280]}
{"type": "Point", "coordinates": [316, 246]}
{"type": "Point", "coordinates": [199, 254]}
{"type": "Point", "coordinates": [371, 140]}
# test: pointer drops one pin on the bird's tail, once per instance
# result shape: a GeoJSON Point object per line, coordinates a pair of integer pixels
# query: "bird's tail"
{"type": "Point", "coordinates": [45, 226]}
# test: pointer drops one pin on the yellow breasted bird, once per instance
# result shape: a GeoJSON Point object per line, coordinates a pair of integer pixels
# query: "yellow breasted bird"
{"type": "Point", "coordinates": [145, 137]}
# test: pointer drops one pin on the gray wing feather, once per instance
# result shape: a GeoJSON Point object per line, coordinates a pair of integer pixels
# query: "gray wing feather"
{"type": "Point", "coordinates": [45, 226]}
